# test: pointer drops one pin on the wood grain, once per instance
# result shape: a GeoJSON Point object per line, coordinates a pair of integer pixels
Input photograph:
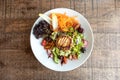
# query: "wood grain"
{"type": "Point", "coordinates": [17, 61]}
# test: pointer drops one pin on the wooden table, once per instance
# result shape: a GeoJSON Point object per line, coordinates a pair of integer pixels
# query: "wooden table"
{"type": "Point", "coordinates": [17, 61]}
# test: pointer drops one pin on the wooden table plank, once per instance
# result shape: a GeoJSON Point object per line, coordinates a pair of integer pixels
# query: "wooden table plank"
{"type": "Point", "coordinates": [17, 60]}
{"type": "Point", "coordinates": [106, 59]}
{"type": "Point", "coordinates": [2, 15]}
{"type": "Point", "coordinates": [62, 3]}
{"type": "Point", "coordinates": [106, 74]}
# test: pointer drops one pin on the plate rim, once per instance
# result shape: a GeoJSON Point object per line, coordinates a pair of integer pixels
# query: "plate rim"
{"type": "Point", "coordinates": [92, 45]}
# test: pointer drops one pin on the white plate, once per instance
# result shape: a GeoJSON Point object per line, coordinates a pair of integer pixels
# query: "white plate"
{"type": "Point", "coordinates": [41, 54]}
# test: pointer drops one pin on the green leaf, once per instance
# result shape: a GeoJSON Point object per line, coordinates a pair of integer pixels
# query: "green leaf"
{"type": "Point", "coordinates": [53, 35]}
{"type": "Point", "coordinates": [71, 29]}
{"type": "Point", "coordinates": [62, 53]}
{"type": "Point", "coordinates": [67, 52]}
{"type": "Point", "coordinates": [55, 58]}
{"type": "Point", "coordinates": [78, 55]}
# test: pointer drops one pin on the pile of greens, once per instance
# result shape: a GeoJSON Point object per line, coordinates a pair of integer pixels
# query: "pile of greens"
{"type": "Point", "coordinates": [77, 44]}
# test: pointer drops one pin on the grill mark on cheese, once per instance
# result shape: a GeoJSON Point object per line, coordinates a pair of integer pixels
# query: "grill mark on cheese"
{"type": "Point", "coordinates": [64, 42]}
{"type": "Point", "coordinates": [64, 39]}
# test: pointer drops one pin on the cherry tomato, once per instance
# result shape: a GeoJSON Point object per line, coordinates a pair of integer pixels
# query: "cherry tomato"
{"type": "Point", "coordinates": [65, 59]}
{"type": "Point", "coordinates": [43, 42]}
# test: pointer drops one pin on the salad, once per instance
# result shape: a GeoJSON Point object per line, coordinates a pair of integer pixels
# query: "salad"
{"type": "Point", "coordinates": [62, 37]}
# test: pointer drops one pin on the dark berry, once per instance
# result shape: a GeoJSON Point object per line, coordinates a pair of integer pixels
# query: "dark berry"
{"type": "Point", "coordinates": [83, 49]}
{"type": "Point", "coordinates": [59, 57]}
{"type": "Point", "coordinates": [48, 39]}
{"type": "Point", "coordinates": [41, 29]}
{"type": "Point", "coordinates": [80, 30]}
{"type": "Point", "coordinates": [62, 59]}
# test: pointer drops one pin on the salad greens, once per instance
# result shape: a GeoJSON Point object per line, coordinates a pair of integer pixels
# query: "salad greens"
{"type": "Point", "coordinates": [77, 43]}
{"type": "Point", "coordinates": [62, 37]}
{"type": "Point", "coordinates": [54, 35]}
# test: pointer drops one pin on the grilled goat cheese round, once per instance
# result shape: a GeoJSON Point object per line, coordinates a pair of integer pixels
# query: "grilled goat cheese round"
{"type": "Point", "coordinates": [64, 42]}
